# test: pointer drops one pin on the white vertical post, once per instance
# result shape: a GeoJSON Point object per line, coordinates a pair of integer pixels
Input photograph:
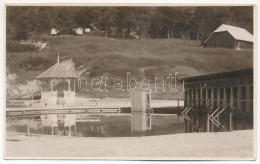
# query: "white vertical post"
{"type": "Point", "coordinates": [150, 122]}
{"type": "Point", "coordinates": [74, 86]}
{"type": "Point", "coordinates": [69, 85]}
{"type": "Point", "coordinates": [51, 86]}
{"type": "Point", "coordinates": [69, 129]}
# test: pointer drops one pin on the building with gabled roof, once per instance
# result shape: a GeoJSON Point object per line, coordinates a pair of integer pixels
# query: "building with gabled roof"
{"type": "Point", "coordinates": [58, 70]}
{"type": "Point", "coordinates": [56, 73]}
{"type": "Point", "coordinates": [227, 36]}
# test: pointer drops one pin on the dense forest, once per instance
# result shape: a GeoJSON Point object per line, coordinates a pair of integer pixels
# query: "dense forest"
{"type": "Point", "coordinates": [194, 23]}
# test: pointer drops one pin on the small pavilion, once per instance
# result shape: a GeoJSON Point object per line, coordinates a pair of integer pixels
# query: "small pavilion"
{"type": "Point", "coordinates": [52, 77]}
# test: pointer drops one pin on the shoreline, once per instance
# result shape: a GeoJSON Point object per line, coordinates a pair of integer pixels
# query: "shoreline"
{"type": "Point", "coordinates": [222, 145]}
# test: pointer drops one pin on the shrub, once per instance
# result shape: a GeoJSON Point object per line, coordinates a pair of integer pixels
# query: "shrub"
{"type": "Point", "coordinates": [14, 46]}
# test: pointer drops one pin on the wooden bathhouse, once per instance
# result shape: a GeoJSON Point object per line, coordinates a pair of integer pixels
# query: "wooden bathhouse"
{"type": "Point", "coordinates": [215, 100]}
{"type": "Point", "coordinates": [230, 37]}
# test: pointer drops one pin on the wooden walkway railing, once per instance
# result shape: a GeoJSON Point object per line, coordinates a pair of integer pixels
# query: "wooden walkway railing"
{"type": "Point", "coordinates": [63, 110]}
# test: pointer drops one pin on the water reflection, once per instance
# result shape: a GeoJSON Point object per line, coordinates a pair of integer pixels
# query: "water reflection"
{"type": "Point", "coordinates": [86, 125]}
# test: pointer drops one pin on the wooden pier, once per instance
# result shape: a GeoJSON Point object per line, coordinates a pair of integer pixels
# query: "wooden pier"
{"type": "Point", "coordinates": [211, 100]}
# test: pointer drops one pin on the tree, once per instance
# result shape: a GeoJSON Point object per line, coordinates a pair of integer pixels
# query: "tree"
{"type": "Point", "coordinates": [84, 17]}
{"type": "Point", "coordinates": [242, 17]}
{"type": "Point", "coordinates": [64, 19]}
{"type": "Point", "coordinates": [106, 19]}
{"type": "Point", "coordinates": [149, 22]}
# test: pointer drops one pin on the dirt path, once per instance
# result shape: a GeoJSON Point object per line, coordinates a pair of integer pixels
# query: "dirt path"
{"type": "Point", "coordinates": [231, 145]}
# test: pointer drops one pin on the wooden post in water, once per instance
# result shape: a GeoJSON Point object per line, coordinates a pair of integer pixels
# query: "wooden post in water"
{"type": "Point", "coordinates": [207, 108]}
{"type": "Point", "coordinates": [231, 109]}
{"type": "Point", "coordinates": [187, 123]}
{"type": "Point", "coordinates": [139, 103]}
{"type": "Point", "coordinates": [247, 99]}
{"type": "Point", "coordinates": [212, 97]}
{"type": "Point", "coordinates": [218, 100]}
{"type": "Point", "coordinates": [225, 103]}
{"type": "Point", "coordinates": [218, 97]}
{"type": "Point", "coordinates": [197, 99]}
{"type": "Point", "coordinates": [178, 111]}
{"type": "Point", "coordinates": [239, 97]}
{"type": "Point", "coordinates": [75, 127]}
{"type": "Point", "coordinates": [224, 97]}
{"type": "Point", "coordinates": [211, 107]}
{"type": "Point", "coordinates": [197, 104]}
{"type": "Point", "coordinates": [193, 101]}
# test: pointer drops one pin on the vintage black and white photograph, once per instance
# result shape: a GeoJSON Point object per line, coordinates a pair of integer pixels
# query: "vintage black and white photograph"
{"type": "Point", "coordinates": [130, 82]}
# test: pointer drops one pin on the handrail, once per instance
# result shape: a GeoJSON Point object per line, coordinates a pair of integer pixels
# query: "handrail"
{"type": "Point", "coordinates": [186, 116]}
{"type": "Point", "coordinates": [215, 122]}
{"type": "Point", "coordinates": [216, 110]}
{"type": "Point", "coordinates": [222, 100]}
{"type": "Point", "coordinates": [222, 111]}
{"type": "Point", "coordinates": [184, 113]}
{"type": "Point", "coordinates": [212, 118]}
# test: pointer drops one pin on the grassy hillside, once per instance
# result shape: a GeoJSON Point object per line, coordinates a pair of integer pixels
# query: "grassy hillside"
{"type": "Point", "coordinates": [149, 58]}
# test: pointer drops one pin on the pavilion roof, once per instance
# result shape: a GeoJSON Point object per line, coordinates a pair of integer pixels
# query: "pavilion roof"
{"type": "Point", "coordinates": [58, 70]}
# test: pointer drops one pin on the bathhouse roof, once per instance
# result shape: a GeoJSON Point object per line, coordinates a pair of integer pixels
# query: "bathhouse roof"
{"type": "Point", "coordinates": [58, 70]}
{"type": "Point", "coordinates": [221, 75]}
{"type": "Point", "coordinates": [237, 32]}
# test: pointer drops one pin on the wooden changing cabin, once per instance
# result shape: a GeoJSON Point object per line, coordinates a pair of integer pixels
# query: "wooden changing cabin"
{"type": "Point", "coordinates": [231, 37]}
{"type": "Point", "coordinates": [213, 101]}
{"type": "Point", "coordinates": [52, 77]}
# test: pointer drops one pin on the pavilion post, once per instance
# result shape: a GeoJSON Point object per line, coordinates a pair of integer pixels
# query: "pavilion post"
{"type": "Point", "coordinates": [74, 86]}
{"type": "Point", "coordinates": [51, 86]}
{"type": "Point", "coordinates": [69, 85]}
